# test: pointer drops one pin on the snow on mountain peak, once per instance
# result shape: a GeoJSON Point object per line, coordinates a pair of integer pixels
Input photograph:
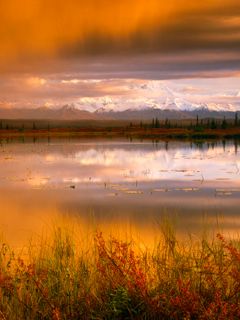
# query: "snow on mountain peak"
{"type": "Point", "coordinates": [159, 95]}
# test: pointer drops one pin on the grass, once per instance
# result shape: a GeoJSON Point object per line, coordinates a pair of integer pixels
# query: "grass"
{"type": "Point", "coordinates": [115, 279]}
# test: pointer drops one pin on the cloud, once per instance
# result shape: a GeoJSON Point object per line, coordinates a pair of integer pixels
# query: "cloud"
{"type": "Point", "coordinates": [34, 29]}
{"type": "Point", "coordinates": [35, 81]}
{"type": "Point", "coordinates": [121, 94]}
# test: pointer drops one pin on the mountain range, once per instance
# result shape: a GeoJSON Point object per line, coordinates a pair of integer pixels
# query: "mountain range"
{"type": "Point", "coordinates": [71, 112]}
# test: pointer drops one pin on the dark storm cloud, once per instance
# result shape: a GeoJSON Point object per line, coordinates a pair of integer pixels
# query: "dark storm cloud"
{"type": "Point", "coordinates": [215, 25]}
{"type": "Point", "coordinates": [150, 66]}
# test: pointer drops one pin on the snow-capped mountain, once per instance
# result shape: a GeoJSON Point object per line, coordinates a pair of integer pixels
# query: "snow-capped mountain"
{"type": "Point", "coordinates": [73, 113]}
{"type": "Point", "coordinates": [145, 100]}
{"type": "Point", "coordinates": [153, 95]}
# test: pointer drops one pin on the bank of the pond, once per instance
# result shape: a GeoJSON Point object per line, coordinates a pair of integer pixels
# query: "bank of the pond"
{"type": "Point", "coordinates": [115, 279]}
{"type": "Point", "coordinates": [122, 132]}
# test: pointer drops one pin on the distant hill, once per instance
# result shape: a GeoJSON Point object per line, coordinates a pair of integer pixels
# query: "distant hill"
{"type": "Point", "coordinates": [67, 112]}
{"type": "Point", "coordinates": [150, 113]}
{"type": "Point", "coordinates": [70, 112]}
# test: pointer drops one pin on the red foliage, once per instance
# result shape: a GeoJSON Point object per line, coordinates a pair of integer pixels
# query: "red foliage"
{"type": "Point", "coordinates": [120, 266]}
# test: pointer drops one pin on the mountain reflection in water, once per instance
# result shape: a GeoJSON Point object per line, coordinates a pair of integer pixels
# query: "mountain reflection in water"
{"type": "Point", "coordinates": [118, 185]}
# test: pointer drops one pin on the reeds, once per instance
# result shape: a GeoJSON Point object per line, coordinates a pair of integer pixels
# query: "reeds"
{"type": "Point", "coordinates": [114, 279]}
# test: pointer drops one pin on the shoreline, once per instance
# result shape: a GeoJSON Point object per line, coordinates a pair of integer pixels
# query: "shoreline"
{"type": "Point", "coordinates": [130, 133]}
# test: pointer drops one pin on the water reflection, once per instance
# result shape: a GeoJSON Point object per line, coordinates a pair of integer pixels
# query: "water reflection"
{"type": "Point", "coordinates": [118, 183]}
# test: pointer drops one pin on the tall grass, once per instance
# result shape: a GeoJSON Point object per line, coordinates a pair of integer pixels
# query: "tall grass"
{"type": "Point", "coordinates": [114, 279]}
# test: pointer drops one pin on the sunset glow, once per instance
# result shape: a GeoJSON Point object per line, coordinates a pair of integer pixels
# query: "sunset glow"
{"type": "Point", "coordinates": [32, 28]}
{"type": "Point", "coordinates": [49, 48]}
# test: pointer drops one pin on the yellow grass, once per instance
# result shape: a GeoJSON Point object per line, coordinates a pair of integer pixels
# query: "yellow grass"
{"type": "Point", "coordinates": [79, 274]}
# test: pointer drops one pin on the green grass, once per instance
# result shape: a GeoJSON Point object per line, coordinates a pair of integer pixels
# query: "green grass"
{"type": "Point", "coordinates": [114, 279]}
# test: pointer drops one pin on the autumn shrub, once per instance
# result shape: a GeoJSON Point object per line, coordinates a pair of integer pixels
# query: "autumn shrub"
{"type": "Point", "coordinates": [116, 280]}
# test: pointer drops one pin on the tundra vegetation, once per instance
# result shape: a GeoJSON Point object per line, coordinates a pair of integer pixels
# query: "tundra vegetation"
{"type": "Point", "coordinates": [112, 278]}
{"type": "Point", "coordinates": [204, 128]}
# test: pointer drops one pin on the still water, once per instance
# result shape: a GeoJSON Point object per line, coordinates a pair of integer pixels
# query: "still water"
{"type": "Point", "coordinates": [118, 186]}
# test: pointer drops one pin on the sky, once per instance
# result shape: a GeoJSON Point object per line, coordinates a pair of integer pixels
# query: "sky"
{"type": "Point", "coordinates": [117, 55]}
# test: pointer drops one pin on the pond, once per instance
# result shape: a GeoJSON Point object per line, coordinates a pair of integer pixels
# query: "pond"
{"type": "Point", "coordinates": [119, 186]}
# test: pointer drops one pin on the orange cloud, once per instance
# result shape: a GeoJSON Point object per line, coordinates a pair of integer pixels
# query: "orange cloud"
{"type": "Point", "coordinates": [37, 28]}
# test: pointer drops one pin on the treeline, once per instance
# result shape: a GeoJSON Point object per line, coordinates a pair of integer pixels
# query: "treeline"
{"type": "Point", "coordinates": [22, 126]}
{"type": "Point", "coordinates": [195, 124]}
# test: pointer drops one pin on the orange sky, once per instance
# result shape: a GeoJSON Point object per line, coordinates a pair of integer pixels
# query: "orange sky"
{"type": "Point", "coordinates": [37, 28]}
{"type": "Point", "coordinates": [48, 46]}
